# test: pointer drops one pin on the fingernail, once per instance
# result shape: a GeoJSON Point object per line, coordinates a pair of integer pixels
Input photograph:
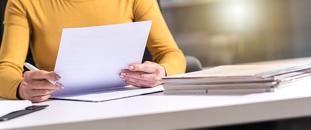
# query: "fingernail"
{"type": "Point", "coordinates": [122, 75]}
{"type": "Point", "coordinates": [58, 77]}
{"type": "Point", "coordinates": [59, 85]}
{"type": "Point", "coordinates": [131, 67]}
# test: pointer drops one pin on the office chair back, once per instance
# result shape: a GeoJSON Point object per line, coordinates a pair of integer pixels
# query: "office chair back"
{"type": "Point", "coordinates": [2, 8]}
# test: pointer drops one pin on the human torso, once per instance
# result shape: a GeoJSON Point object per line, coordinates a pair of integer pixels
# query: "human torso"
{"type": "Point", "coordinates": [47, 18]}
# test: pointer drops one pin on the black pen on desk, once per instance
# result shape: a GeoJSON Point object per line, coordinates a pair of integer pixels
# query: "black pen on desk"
{"type": "Point", "coordinates": [25, 111]}
{"type": "Point", "coordinates": [33, 68]}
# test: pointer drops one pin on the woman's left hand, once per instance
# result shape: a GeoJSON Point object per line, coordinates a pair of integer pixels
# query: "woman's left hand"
{"type": "Point", "coordinates": [148, 74]}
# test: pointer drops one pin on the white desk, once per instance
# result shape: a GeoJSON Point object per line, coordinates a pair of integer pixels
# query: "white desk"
{"type": "Point", "coordinates": [170, 112]}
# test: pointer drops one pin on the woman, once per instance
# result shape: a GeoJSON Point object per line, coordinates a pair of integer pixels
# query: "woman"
{"type": "Point", "coordinates": [39, 23]}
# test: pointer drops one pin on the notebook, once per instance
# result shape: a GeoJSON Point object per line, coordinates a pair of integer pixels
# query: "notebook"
{"type": "Point", "coordinates": [235, 79]}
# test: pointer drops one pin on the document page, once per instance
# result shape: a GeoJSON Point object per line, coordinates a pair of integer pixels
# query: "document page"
{"type": "Point", "coordinates": [90, 58]}
{"type": "Point", "coordinates": [100, 96]}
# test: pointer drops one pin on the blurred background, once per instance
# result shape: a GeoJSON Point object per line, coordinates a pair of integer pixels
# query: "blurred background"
{"type": "Point", "coordinates": [222, 32]}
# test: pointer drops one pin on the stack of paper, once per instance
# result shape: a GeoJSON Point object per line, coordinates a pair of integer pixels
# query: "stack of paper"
{"type": "Point", "coordinates": [234, 79]}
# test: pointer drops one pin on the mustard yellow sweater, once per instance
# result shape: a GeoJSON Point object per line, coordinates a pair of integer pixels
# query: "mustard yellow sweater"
{"type": "Point", "coordinates": [39, 23]}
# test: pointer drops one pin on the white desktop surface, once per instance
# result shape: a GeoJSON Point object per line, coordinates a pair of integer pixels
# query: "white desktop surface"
{"type": "Point", "coordinates": [170, 112]}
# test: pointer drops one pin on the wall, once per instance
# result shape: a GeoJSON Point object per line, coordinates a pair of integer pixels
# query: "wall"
{"type": "Point", "coordinates": [270, 29]}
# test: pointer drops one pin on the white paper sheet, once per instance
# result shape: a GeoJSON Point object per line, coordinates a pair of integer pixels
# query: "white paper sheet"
{"type": "Point", "coordinates": [91, 58]}
{"type": "Point", "coordinates": [112, 95]}
{"type": "Point", "coordinates": [8, 106]}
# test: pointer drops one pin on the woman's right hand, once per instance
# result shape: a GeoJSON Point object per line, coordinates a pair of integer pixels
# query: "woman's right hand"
{"type": "Point", "coordinates": [36, 87]}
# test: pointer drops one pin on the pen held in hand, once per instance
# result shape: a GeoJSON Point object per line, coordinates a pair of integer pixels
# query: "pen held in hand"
{"type": "Point", "coordinates": [33, 68]}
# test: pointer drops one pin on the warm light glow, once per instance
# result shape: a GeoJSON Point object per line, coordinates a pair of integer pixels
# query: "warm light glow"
{"type": "Point", "coordinates": [238, 13]}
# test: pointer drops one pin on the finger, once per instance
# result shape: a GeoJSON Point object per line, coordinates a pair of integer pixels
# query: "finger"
{"type": "Point", "coordinates": [148, 68]}
{"type": "Point", "coordinates": [129, 83]}
{"type": "Point", "coordinates": [141, 76]}
{"type": "Point", "coordinates": [44, 84]}
{"type": "Point", "coordinates": [40, 98]}
{"type": "Point", "coordinates": [41, 92]}
{"type": "Point", "coordinates": [141, 79]}
{"type": "Point", "coordinates": [139, 83]}
{"type": "Point", "coordinates": [149, 62]}
{"type": "Point", "coordinates": [133, 84]}
{"type": "Point", "coordinates": [40, 74]}
{"type": "Point", "coordinates": [159, 69]}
